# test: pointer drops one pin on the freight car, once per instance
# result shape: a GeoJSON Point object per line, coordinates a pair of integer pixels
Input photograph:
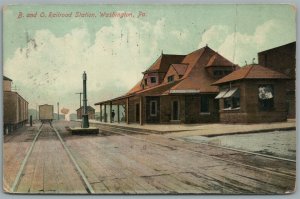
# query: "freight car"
{"type": "Point", "coordinates": [15, 111]}
{"type": "Point", "coordinates": [46, 113]}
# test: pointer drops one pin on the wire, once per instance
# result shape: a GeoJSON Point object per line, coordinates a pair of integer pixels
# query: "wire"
{"type": "Point", "coordinates": [234, 35]}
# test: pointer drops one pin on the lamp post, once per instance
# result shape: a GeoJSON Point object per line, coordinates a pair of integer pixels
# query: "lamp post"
{"type": "Point", "coordinates": [85, 117]}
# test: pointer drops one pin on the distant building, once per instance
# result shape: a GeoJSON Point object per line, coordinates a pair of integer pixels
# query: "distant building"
{"type": "Point", "coordinates": [6, 84]}
{"type": "Point", "coordinates": [252, 94]}
{"type": "Point", "coordinates": [15, 107]}
{"type": "Point", "coordinates": [283, 59]}
{"type": "Point", "coordinates": [90, 110]}
{"type": "Point", "coordinates": [174, 89]}
{"type": "Point", "coordinates": [73, 116]}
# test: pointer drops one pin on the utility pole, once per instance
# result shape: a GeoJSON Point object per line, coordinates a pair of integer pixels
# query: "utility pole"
{"type": "Point", "coordinates": [57, 110]}
{"type": "Point", "coordinates": [80, 99]}
{"type": "Point", "coordinates": [85, 117]}
{"type": "Point", "coordinates": [36, 111]}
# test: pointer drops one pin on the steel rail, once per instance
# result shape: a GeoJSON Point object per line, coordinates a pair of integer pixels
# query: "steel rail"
{"type": "Point", "coordinates": [214, 157]}
{"type": "Point", "coordinates": [24, 162]}
{"type": "Point", "coordinates": [212, 145]}
{"type": "Point", "coordinates": [15, 185]}
{"type": "Point", "coordinates": [88, 186]}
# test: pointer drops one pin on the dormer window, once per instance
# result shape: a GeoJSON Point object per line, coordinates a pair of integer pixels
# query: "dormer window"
{"type": "Point", "coordinates": [145, 82]}
{"type": "Point", "coordinates": [220, 73]}
{"type": "Point", "coordinates": [153, 80]}
{"type": "Point", "coordinates": [171, 78]}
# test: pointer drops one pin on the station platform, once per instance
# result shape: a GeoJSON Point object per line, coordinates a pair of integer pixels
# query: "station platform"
{"type": "Point", "coordinates": [209, 130]}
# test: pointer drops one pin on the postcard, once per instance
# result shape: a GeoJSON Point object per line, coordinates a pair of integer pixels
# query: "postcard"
{"type": "Point", "coordinates": [149, 99]}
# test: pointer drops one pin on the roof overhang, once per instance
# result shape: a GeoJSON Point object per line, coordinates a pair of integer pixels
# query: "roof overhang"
{"type": "Point", "coordinates": [184, 91]}
{"type": "Point", "coordinates": [114, 99]}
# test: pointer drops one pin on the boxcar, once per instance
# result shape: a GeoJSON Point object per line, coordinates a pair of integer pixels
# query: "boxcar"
{"type": "Point", "coordinates": [15, 111]}
{"type": "Point", "coordinates": [46, 113]}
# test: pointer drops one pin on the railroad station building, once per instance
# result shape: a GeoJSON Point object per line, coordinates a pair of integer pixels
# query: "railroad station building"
{"type": "Point", "coordinates": [174, 89]}
{"type": "Point", "coordinates": [252, 94]}
{"type": "Point", "coordinates": [90, 110]}
{"type": "Point", "coordinates": [15, 107]}
{"type": "Point", "coordinates": [283, 59]}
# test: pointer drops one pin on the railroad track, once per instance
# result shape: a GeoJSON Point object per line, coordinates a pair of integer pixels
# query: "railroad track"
{"type": "Point", "coordinates": [20, 173]}
{"type": "Point", "coordinates": [207, 144]}
{"type": "Point", "coordinates": [133, 134]}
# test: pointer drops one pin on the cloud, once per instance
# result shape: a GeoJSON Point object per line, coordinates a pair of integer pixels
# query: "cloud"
{"type": "Point", "coordinates": [49, 68]}
{"type": "Point", "coordinates": [180, 34]}
{"type": "Point", "coordinates": [240, 47]}
{"type": "Point", "coordinates": [214, 36]}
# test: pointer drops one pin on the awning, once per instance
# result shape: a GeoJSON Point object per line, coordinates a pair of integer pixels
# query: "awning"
{"type": "Point", "coordinates": [221, 94]}
{"type": "Point", "coordinates": [230, 93]}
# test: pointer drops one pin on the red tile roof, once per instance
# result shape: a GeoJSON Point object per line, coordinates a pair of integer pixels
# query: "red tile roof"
{"type": "Point", "coordinates": [180, 68]}
{"type": "Point", "coordinates": [197, 77]}
{"type": "Point", "coordinates": [254, 71]}
{"type": "Point", "coordinates": [218, 60]}
{"type": "Point", "coordinates": [136, 88]}
{"type": "Point", "coordinates": [163, 63]}
{"type": "Point", "coordinates": [192, 66]}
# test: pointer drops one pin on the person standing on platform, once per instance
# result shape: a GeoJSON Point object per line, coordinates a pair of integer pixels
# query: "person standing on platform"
{"type": "Point", "coordinates": [113, 116]}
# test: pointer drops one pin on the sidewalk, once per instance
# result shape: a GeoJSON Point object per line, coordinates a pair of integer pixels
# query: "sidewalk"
{"type": "Point", "coordinates": [184, 130]}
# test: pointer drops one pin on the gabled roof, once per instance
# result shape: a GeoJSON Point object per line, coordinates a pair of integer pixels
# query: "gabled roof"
{"type": "Point", "coordinates": [180, 68]}
{"type": "Point", "coordinates": [218, 60]}
{"type": "Point", "coordinates": [163, 62]}
{"type": "Point", "coordinates": [6, 78]}
{"type": "Point", "coordinates": [253, 71]}
{"type": "Point", "coordinates": [192, 67]}
{"type": "Point", "coordinates": [197, 78]}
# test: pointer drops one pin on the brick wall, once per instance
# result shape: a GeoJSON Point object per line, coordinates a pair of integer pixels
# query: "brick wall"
{"type": "Point", "coordinates": [131, 109]}
{"type": "Point", "coordinates": [148, 117]}
{"type": "Point", "coordinates": [249, 111]}
{"type": "Point", "coordinates": [6, 85]}
{"type": "Point", "coordinates": [166, 108]}
{"type": "Point", "coordinates": [283, 59]}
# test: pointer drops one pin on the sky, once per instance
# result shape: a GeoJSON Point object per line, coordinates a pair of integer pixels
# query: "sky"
{"type": "Point", "coordinates": [46, 56]}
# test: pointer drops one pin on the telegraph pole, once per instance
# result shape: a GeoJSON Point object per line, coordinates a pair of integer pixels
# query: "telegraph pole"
{"type": "Point", "coordinates": [57, 110]}
{"type": "Point", "coordinates": [36, 111]}
{"type": "Point", "coordinates": [85, 117]}
{"type": "Point", "coordinates": [80, 99]}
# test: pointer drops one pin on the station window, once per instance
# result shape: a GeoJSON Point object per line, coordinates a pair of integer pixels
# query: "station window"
{"type": "Point", "coordinates": [171, 78]}
{"type": "Point", "coordinates": [266, 97]}
{"type": "Point", "coordinates": [232, 99]}
{"type": "Point", "coordinates": [204, 104]}
{"type": "Point", "coordinates": [153, 80]}
{"type": "Point", "coordinates": [153, 108]}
